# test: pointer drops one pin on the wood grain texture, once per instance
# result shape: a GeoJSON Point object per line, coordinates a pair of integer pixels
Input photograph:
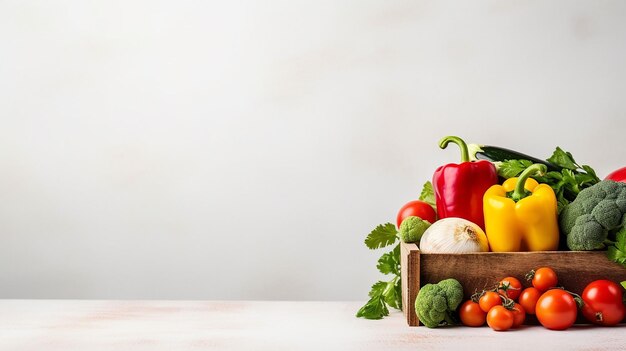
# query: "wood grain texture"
{"type": "Point", "coordinates": [478, 271]}
{"type": "Point", "coordinates": [410, 265]}
{"type": "Point", "coordinates": [66, 325]}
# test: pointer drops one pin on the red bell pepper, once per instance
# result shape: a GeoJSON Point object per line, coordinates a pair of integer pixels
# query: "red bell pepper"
{"type": "Point", "coordinates": [459, 188]}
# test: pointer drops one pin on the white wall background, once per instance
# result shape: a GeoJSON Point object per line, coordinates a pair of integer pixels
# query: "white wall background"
{"type": "Point", "coordinates": [229, 150]}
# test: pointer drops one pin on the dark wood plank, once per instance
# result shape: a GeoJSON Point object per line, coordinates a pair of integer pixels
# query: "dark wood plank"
{"type": "Point", "coordinates": [482, 270]}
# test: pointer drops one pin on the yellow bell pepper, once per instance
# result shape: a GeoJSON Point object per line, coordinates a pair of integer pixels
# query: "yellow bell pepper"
{"type": "Point", "coordinates": [519, 220]}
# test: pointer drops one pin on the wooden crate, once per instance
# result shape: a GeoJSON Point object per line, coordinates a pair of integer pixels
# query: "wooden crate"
{"type": "Point", "coordinates": [475, 271]}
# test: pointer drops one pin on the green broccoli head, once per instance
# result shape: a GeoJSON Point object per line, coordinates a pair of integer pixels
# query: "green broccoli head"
{"type": "Point", "coordinates": [412, 229]}
{"type": "Point", "coordinates": [597, 211]}
{"type": "Point", "coordinates": [436, 303]}
{"type": "Point", "coordinates": [587, 234]}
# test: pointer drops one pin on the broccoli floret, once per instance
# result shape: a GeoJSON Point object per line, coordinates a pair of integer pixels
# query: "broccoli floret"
{"type": "Point", "coordinates": [412, 229]}
{"type": "Point", "coordinates": [596, 212]}
{"type": "Point", "coordinates": [607, 214]}
{"type": "Point", "coordinates": [436, 303]}
{"type": "Point", "coordinates": [587, 234]}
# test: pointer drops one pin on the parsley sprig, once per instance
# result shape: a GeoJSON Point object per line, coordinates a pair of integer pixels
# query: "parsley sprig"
{"type": "Point", "coordinates": [617, 251]}
{"type": "Point", "coordinates": [385, 294]}
{"type": "Point", "coordinates": [383, 235]}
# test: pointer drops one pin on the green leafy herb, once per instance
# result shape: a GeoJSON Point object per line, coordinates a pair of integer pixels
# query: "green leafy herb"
{"type": "Point", "coordinates": [513, 168]}
{"type": "Point", "coordinates": [384, 293]}
{"type": "Point", "coordinates": [617, 251]}
{"type": "Point", "coordinates": [591, 172]}
{"type": "Point", "coordinates": [383, 235]}
{"type": "Point", "coordinates": [381, 295]}
{"type": "Point", "coordinates": [428, 195]}
{"type": "Point", "coordinates": [563, 159]}
{"type": "Point", "coordinates": [623, 284]}
{"type": "Point", "coordinates": [389, 293]}
{"type": "Point", "coordinates": [377, 289]}
{"type": "Point", "coordinates": [566, 184]}
{"type": "Point", "coordinates": [393, 294]}
{"type": "Point", "coordinates": [388, 263]}
{"type": "Point", "coordinates": [375, 308]}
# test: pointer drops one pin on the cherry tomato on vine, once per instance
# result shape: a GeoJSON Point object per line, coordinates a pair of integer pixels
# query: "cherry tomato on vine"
{"type": "Point", "coordinates": [489, 300]}
{"type": "Point", "coordinates": [500, 319]}
{"type": "Point", "coordinates": [519, 315]}
{"type": "Point", "coordinates": [544, 278]}
{"type": "Point", "coordinates": [603, 303]}
{"type": "Point", "coordinates": [510, 287]}
{"type": "Point", "coordinates": [471, 314]}
{"type": "Point", "coordinates": [528, 299]}
{"type": "Point", "coordinates": [417, 208]}
{"type": "Point", "coordinates": [556, 309]}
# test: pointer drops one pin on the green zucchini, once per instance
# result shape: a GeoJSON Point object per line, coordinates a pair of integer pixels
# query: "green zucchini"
{"type": "Point", "coordinates": [500, 154]}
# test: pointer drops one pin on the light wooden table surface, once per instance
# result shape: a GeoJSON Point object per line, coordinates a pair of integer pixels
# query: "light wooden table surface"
{"type": "Point", "coordinates": [241, 325]}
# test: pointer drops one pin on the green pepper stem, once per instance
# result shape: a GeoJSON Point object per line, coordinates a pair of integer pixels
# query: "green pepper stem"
{"type": "Point", "coordinates": [519, 193]}
{"type": "Point", "coordinates": [443, 143]}
{"type": "Point", "coordinates": [473, 149]}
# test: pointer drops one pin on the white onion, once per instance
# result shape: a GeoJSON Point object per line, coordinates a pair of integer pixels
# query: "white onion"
{"type": "Point", "coordinates": [454, 235]}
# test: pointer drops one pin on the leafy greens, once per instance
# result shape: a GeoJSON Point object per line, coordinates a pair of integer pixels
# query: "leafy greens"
{"type": "Point", "coordinates": [388, 294]}
{"type": "Point", "coordinates": [566, 184]}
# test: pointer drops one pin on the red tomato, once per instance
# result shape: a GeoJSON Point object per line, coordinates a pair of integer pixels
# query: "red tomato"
{"type": "Point", "coordinates": [544, 279]}
{"type": "Point", "coordinates": [618, 175]}
{"type": "Point", "coordinates": [510, 287]}
{"type": "Point", "coordinates": [556, 309]}
{"type": "Point", "coordinates": [519, 315]}
{"type": "Point", "coordinates": [603, 303]}
{"type": "Point", "coordinates": [489, 300]}
{"type": "Point", "coordinates": [528, 299]}
{"type": "Point", "coordinates": [417, 208]}
{"type": "Point", "coordinates": [471, 314]}
{"type": "Point", "coordinates": [500, 319]}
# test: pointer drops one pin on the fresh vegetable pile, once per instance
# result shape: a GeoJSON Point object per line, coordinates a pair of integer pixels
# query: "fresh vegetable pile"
{"type": "Point", "coordinates": [506, 201]}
